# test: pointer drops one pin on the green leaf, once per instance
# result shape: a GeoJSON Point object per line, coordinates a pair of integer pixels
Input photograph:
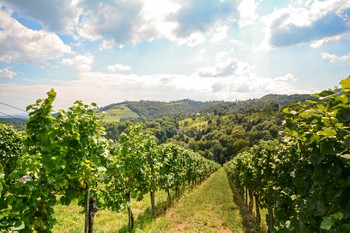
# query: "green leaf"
{"type": "Point", "coordinates": [343, 98]}
{"type": "Point", "coordinates": [312, 112]}
{"type": "Point", "coordinates": [327, 223]}
{"type": "Point", "coordinates": [338, 216]}
{"type": "Point", "coordinates": [1, 188]}
{"type": "Point", "coordinates": [345, 83]}
{"type": "Point", "coordinates": [50, 180]}
{"type": "Point", "coordinates": [329, 132]}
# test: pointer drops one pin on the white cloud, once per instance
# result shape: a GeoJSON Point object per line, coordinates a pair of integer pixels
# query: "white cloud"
{"type": "Point", "coordinates": [220, 33]}
{"type": "Point", "coordinates": [223, 55]}
{"type": "Point", "coordinates": [334, 58]}
{"type": "Point", "coordinates": [81, 62]}
{"type": "Point", "coordinates": [114, 22]}
{"type": "Point", "coordinates": [239, 80]}
{"type": "Point", "coordinates": [225, 66]}
{"type": "Point", "coordinates": [189, 22]}
{"type": "Point", "coordinates": [107, 44]}
{"type": "Point", "coordinates": [247, 12]}
{"type": "Point", "coordinates": [117, 23]}
{"type": "Point", "coordinates": [118, 67]}
{"type": "Point", "coordinates": [54, 15]}
{"type": "Point", "coordinates": [286, 78]}
{"type": "Point", "coordinates": [7, 73]}
{"type": "Point", "coordinates": [306, 22]}
{"type": "Point", "coordinates": [194, 39]}
{"type": "Point", "coordinates": [259, 86]}
{"type": "Point", "coordinates": [157, 12]}
{"type": "Point", "coordinates": [199, 56]}
{"type": "Point", "coordinates": [322, 42]}
{"type": "Point", "coordinates": [21, 44]}
{"type": "Point", "coordinates": [110, 44]}
{"type": "Point", "coordinates": [194, 16]}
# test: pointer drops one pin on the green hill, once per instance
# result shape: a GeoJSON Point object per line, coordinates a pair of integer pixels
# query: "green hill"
{"type": "Point", "coordinates": [151, 109]}
{"type": "Point", "coordinates": [117, 112]}
{"type": "Point", "coordinates": [146, 110]}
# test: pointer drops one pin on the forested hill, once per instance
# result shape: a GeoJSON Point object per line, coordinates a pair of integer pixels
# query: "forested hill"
{"type": "Point", "coordinates": [217, 130]}
{"type": "Point", "coordinates": [154, 109]}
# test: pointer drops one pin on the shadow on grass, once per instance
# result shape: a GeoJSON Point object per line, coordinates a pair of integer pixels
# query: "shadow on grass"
{"type": "Point", "coordinates": [146, 217]}
{"type": "Point", "coordinates": [249, 221]}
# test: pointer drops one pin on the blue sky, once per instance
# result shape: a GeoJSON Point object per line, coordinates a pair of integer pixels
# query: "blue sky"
{"type": "Point", "coordinates": [114, 50]}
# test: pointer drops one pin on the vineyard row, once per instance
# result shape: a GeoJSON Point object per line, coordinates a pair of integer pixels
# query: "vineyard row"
{"type": "Point", "coordinates": [303, 179]}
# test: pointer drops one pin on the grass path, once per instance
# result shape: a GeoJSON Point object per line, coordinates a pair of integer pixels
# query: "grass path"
{"type": "Point", "coordinates": [208, 208]}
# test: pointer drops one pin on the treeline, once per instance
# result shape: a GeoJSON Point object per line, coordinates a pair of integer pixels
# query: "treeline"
{"type": "Point", "coordinates": [302, 178]}
{"type": "Point", "coordinates": [254, 105]}
{"type": "Point", "coordinates": [150, 110]}
{"type": "Point", "coordinates": [66, 157]}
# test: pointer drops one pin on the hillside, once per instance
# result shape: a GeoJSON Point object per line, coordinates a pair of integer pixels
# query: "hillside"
{"type": "Point", "coordinates": [216, 130]}
{"type": "Point", "coordinates": [118, 112]}
{"type": "Point", "coordinates": [146, 110]}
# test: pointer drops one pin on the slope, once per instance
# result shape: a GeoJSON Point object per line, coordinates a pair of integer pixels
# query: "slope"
{"type": "Point", "coordinates": [118, 113]}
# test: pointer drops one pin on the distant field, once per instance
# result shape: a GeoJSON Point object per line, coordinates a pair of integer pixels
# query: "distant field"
{"type": "Point", "coordinates": [197, 123]}
{"type": "Point", "coordinates": [118, 112]}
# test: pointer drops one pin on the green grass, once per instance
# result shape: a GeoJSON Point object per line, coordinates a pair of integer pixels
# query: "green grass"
{"type": "Point", "coordinates": [71, 218]}
{"type": "Point", "coordinates": [118, 112]}
{"type": "Point", "coordinates": [209, 208]}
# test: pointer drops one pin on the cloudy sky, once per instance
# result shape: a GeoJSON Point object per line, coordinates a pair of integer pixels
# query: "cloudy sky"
{"type": "Point", "coordinates": [108, 51]}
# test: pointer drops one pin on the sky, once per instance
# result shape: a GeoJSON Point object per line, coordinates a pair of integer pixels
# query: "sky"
{"type": "Point", "coordinates": [109, 51]}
